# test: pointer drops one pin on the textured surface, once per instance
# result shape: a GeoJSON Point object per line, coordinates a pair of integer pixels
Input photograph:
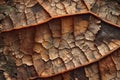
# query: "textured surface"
{"type": "Point", "coordinates": [61, 44]}
{"type": "Point", "coordinates": [79, 37]}
{"type": "Point", "coordinates": [62, 7]}
{"type": "Point", "coordinates": [108, 10]}
{"type": "Point", "coordinates": [20, 14]}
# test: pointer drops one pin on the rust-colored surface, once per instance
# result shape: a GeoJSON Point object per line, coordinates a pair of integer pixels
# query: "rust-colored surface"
{"type": "Point", "coordinates": [44, 38]}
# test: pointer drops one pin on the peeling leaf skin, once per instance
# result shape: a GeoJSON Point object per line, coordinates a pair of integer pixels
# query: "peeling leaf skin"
{"type": "Point", "coordinates": [90, 3]}
{"type": "Point", "coordinates": [106, 69]}
{"type": "Point", "coordinates": [49, 52]}
{"type": "Point", "coordinates": [28, 13]}
{"type": "Point", "coordinates": [108, 10]}
{"type": "Point", "coordinates": [68, 37]}
{"type": "Point", "coordinates": [63, 7]}
{"type": "Point", "coordinates": [21, 14]}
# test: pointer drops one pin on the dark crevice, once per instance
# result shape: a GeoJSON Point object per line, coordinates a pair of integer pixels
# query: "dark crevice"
{"type": "Point", "coordinates": [78, 74]}
{"type": "Point", "coordinates": [107, 33]}
{"type": "Point", "coordinates": [36, 8]}
{"type": "Point", "coordinates": [1, 75]}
